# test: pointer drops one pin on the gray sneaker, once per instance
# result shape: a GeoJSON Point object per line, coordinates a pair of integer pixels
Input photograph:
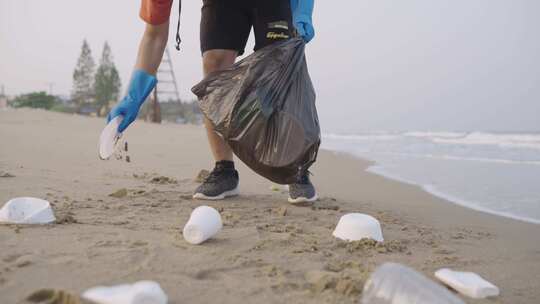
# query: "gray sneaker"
{"type": "Point", "coordinates": [302, 191]}
{"type": "Point", "coordinates": [221, 183]}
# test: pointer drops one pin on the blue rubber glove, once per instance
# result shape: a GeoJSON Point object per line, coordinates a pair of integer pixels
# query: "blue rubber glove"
{"type": "Point", "coordinates": [140, 86]}
{"type": "Point", "coordinates": [302, 10]}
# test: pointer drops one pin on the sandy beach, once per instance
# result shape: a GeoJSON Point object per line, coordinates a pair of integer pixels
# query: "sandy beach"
{"type": "Point", "coordinates": [268, 251]}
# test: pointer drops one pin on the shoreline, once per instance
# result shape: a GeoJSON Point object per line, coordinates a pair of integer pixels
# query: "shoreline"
{"type": "Point", "coordinates": [379, 170]}
{"type": "Point", "coordinates": [266, 247]}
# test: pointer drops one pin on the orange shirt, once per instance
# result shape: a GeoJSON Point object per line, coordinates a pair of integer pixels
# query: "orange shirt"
{"type": "Point", "coordinates": [155, 11]}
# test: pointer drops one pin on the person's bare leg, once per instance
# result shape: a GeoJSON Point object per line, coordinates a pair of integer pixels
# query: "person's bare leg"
{"type": "Point", "coordinates": [215, 60]}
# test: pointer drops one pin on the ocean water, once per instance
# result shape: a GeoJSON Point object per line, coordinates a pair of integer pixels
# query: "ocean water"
{"type": "Point", "coordinates": [498, 173]}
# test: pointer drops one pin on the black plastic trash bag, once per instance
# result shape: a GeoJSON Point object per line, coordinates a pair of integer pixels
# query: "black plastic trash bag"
{"type": "Point", "coordinates": [264, 107]}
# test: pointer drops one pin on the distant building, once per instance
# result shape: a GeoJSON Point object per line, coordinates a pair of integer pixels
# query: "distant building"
{"type": "Point", "coordinates": [65, 99]}
{"type": "Point", "coordinates": [88, 109]}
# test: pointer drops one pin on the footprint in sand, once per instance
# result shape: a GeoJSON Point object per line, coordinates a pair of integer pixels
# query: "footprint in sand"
{"type": "Point", "coordinates": [18, 260]}
{"type": "Point", "coordinates": [24, 261]}
{"type": "Point", "coordinates": [6, 174]}
{"type": "Point", "coordinates": [12, 257]}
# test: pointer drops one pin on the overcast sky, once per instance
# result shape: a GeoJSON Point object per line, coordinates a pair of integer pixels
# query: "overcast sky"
{"type": "Point", "coordinates": [376, 65]}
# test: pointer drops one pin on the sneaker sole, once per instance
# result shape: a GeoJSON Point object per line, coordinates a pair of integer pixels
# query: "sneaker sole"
{"type": "Point", "coordinates": [302, 200]}
{"type": "Point", "coordinates": [201, 196]}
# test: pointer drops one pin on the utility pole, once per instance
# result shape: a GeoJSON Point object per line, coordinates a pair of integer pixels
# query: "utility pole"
{"type": "Point", "coordinates": [51, 85]}
{"type": "Point", "coordinates": [166, 88]}
{"type": "Point", "coordinates": [3, 98]}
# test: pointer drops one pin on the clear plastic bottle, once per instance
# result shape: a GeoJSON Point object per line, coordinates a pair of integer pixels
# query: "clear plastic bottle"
{"type": "Point", "coordinates": [393, 283]}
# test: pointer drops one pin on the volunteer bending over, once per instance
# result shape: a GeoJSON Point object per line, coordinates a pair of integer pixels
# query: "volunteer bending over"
{"type": "Point", "coordinates": [224, 31]}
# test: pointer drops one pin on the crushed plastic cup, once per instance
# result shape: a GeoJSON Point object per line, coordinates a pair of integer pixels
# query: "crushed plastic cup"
{"type": "Point", "coordinates": [27, 210]}
{"type": "Point", "coordinates": [467, 283]}
{"type": "Point", "coordinates": [203, 223]}
{"type": "Point", "coordinates": [142, 292]}
{"type": "Point", "coordinates": [393, 283]}
{"type": "Point", "coordinates": [109, 137]}
{"type": "Point", "coordinates": [357, 226]}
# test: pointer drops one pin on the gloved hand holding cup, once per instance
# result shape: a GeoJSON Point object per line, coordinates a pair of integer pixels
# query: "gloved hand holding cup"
{"type": "Point", "coordinates": [140, 86]}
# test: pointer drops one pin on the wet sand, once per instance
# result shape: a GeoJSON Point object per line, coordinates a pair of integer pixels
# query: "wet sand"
{"type": "Point", "coordinates": [268, 251]}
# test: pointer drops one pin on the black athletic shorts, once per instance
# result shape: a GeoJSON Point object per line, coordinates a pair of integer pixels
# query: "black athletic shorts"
{"type": "Point", "coordinates": [225, 24]}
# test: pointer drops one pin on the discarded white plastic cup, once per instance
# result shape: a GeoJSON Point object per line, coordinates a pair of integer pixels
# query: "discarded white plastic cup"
{"type": "Point", "coordinates": [27, 210]}
{"type": "Point", "coordinates": [143, 292]}
{"type": "Point", "coordinates": [357, 226]}
{"type": "Point", "coordinates": [148, 292]}
{"type": "Point", "coordinates": [467, 283]}
{"type": "Point", "coordinates": [203, 223]}
{"type": "Point", "coordinates": [109, 137]}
